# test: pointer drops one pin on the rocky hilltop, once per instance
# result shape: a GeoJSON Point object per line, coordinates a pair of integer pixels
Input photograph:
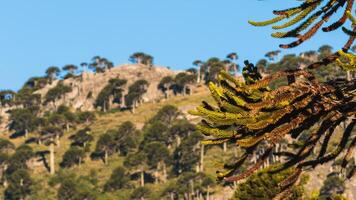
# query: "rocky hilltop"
{"type": "Point", "coordinates": [87, 86]}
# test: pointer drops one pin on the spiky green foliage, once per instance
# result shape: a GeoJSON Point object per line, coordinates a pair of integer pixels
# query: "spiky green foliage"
{"type": "Point", "coordinates": [264, 185]}
{"type": "Point", "coordinates": [347, 61]}
{"type": "Point", "coordinates": [250, 114]}
{"type": "Point", "coordinates": [309, 16]}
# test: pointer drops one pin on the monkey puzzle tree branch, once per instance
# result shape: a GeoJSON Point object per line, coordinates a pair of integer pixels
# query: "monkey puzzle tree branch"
{"type": "Point", "coordinates": [249, 114]}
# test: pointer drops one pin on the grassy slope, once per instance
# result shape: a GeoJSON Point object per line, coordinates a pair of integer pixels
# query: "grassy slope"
{"type": "Point", "coordinates": [111, 121]}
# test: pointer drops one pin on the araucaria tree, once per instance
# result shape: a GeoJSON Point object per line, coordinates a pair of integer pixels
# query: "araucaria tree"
{"type": "Point", "coordinates": [112, 93]}
{"type": "Point", "coordinates": [252, 115]}
{"type": "Point", "coordinates": [56, 93]}
{"type": "Point", "coordinates": [70, 69]}
{"type": "Point", "coordinates": [135, 94]}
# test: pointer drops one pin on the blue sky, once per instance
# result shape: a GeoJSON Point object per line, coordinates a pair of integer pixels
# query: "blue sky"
{"type": "Point", "coordinates": [37, 34]}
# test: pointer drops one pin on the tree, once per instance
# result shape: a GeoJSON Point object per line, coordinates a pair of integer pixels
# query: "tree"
{"type": "Point", "coordinates": [166, 115]}
{"type": "Point", "coordinates": [70, 69]}
{"type": "Point", "coordinates": [137, 161]}
{"type": "Point", "coordinates": [190, 186]}
{"type": "Point", "coordinates": [27, 98]}
{"type": "Point", "coordinates": [293, 110]}
{"type": "Point", "coordinates": [182, 82]}
{"type": "Point", "coordinates": [6, 146]}
{"type": "Point", "coordinates": [74, 156]}
{"type": "Point", "coordinates": [50, 135]}
{"type": "Point", "coordinates": [7, 98]}
{"type": "Point", "coordinates": [155, 132]}
{"type": "Point", "coordinates": [135, 93]}
{"type": "Point", "coordinates": [36, 83]}
{"type": "Point", "coordinates": [157, 157]}
{"type": "Point", "coordinates": [266, 183]}
{"type": "Point", "coordinates": [100, 64]}
{"type": "Point", "coordinates": [82, 138]}
{"type": "Point", "coordinates": [57, 93]}
{"type": "Point", "coordinates": [19, 185]}
{"type": "Point", "coordinates": [272, 55]}
{"type": "Point", "coordinates": [325, 50]}
{"type": "Point", "coordinates": [86, 117]}
{"type": "Point", "coordinates": [63, 118]}
{"type": "Point", "coordinates": [180, 129]}
{"type": "Point", "coordinates": [23, 120]}
{"type": "Point", "coordinates": [70, 118]}
{"type": "Point", "coordinates": [262, 66]}
{"type": "Point", "coordinates": [105, 146]}
{"type": "Point", "coordinates": [303, 19]}
{"type": "Point", "coordinates": [137, 57]}
{"type": "Point", "coordinates": [233, 57]}
{"type": "Point", "coordinates": [186, 156]}
{"type": "Point", "coordinates": [148, 60]}
{"type": "Point", "coordinates": [118, 180]}
{"type": "Point", "coordinates": [52, 72]}
{"type": "Point", "coordinates": [126, 138]}
{"type": "Point", "coordinates": [165, 85]}
{"type": "Point", "coordinates": [72, 187]}
{"type": "Point", "coordinates": [140, 193]}
{"type": "Point", "coordinates": [213, 67]}
{"type": "Point", "coordinates": [18, 161]}
{"type": "Point", "coordinates": [198, 64]}
{"type": "Point", "coordinates": [84, 65]}
{"type": "Point", "coordinates": [112, 93]}
{"type": "Point", "coordinates": [4, 163]}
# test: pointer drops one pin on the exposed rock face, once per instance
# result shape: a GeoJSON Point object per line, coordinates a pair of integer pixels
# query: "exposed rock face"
{"type": "Point", "coordinates": [87, 86]}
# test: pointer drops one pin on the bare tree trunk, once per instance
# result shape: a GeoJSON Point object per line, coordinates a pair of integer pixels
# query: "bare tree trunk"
{"type": "Point", "coordinates": [26, 133]}
{"type": "Point", "coordinates": [171, 195]}
{"type": "Point", "coordinates": [51, 159]}
{"type": "Point", "coordinates": [156, 176]}
{"type": "Point", "coordinates": [198, 74]}
{"type": "Point", "coordinates": [133, 108]}
{"type": "Point", "coordinates": [236, 70]}
{"type": "Point", "coordinates": [225, 147]}
{"type": "Point", "coordinates": [201, 157]}
{"type": "Point", "coordinates": [122, 101]}
{"type": "Point", "coordinates": [111, 99]}
{"type": "Point", "coordinates": [184, 90]}
{"type": "Point", "coordinates": [348, 75]}
{"type": "Point", "coordinates": [106, 157]}
{"type": "Point", "coordinates": [254, 157]}
{"type": "Point", "coordinates": [208, 193]}
{"type": "Point", "coordinates": [192, 190]}
{"type": "Point", "coordinates": [178, 140]}
{"type": "Point", "coordinates": [142, 177]}
{"type": "Point", "coordinates": [164, 172]}
{"type": "Point", "coordinates": [58, 143]}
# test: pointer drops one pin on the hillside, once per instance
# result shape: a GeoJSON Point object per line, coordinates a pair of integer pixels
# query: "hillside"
{"type": "Point", "coordinates": [82, 137]}
{"type": "Point", "coordinates": [87, 86]}
{"type": "Point", "coordinates": [112, 120]}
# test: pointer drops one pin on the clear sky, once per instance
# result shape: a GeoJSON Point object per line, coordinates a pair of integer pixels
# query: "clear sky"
{"type": "Point", "coordinates": [36, 34]}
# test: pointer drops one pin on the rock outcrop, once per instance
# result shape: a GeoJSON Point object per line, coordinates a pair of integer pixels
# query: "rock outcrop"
{"type": "Point", "coordinates": [87, 86]}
